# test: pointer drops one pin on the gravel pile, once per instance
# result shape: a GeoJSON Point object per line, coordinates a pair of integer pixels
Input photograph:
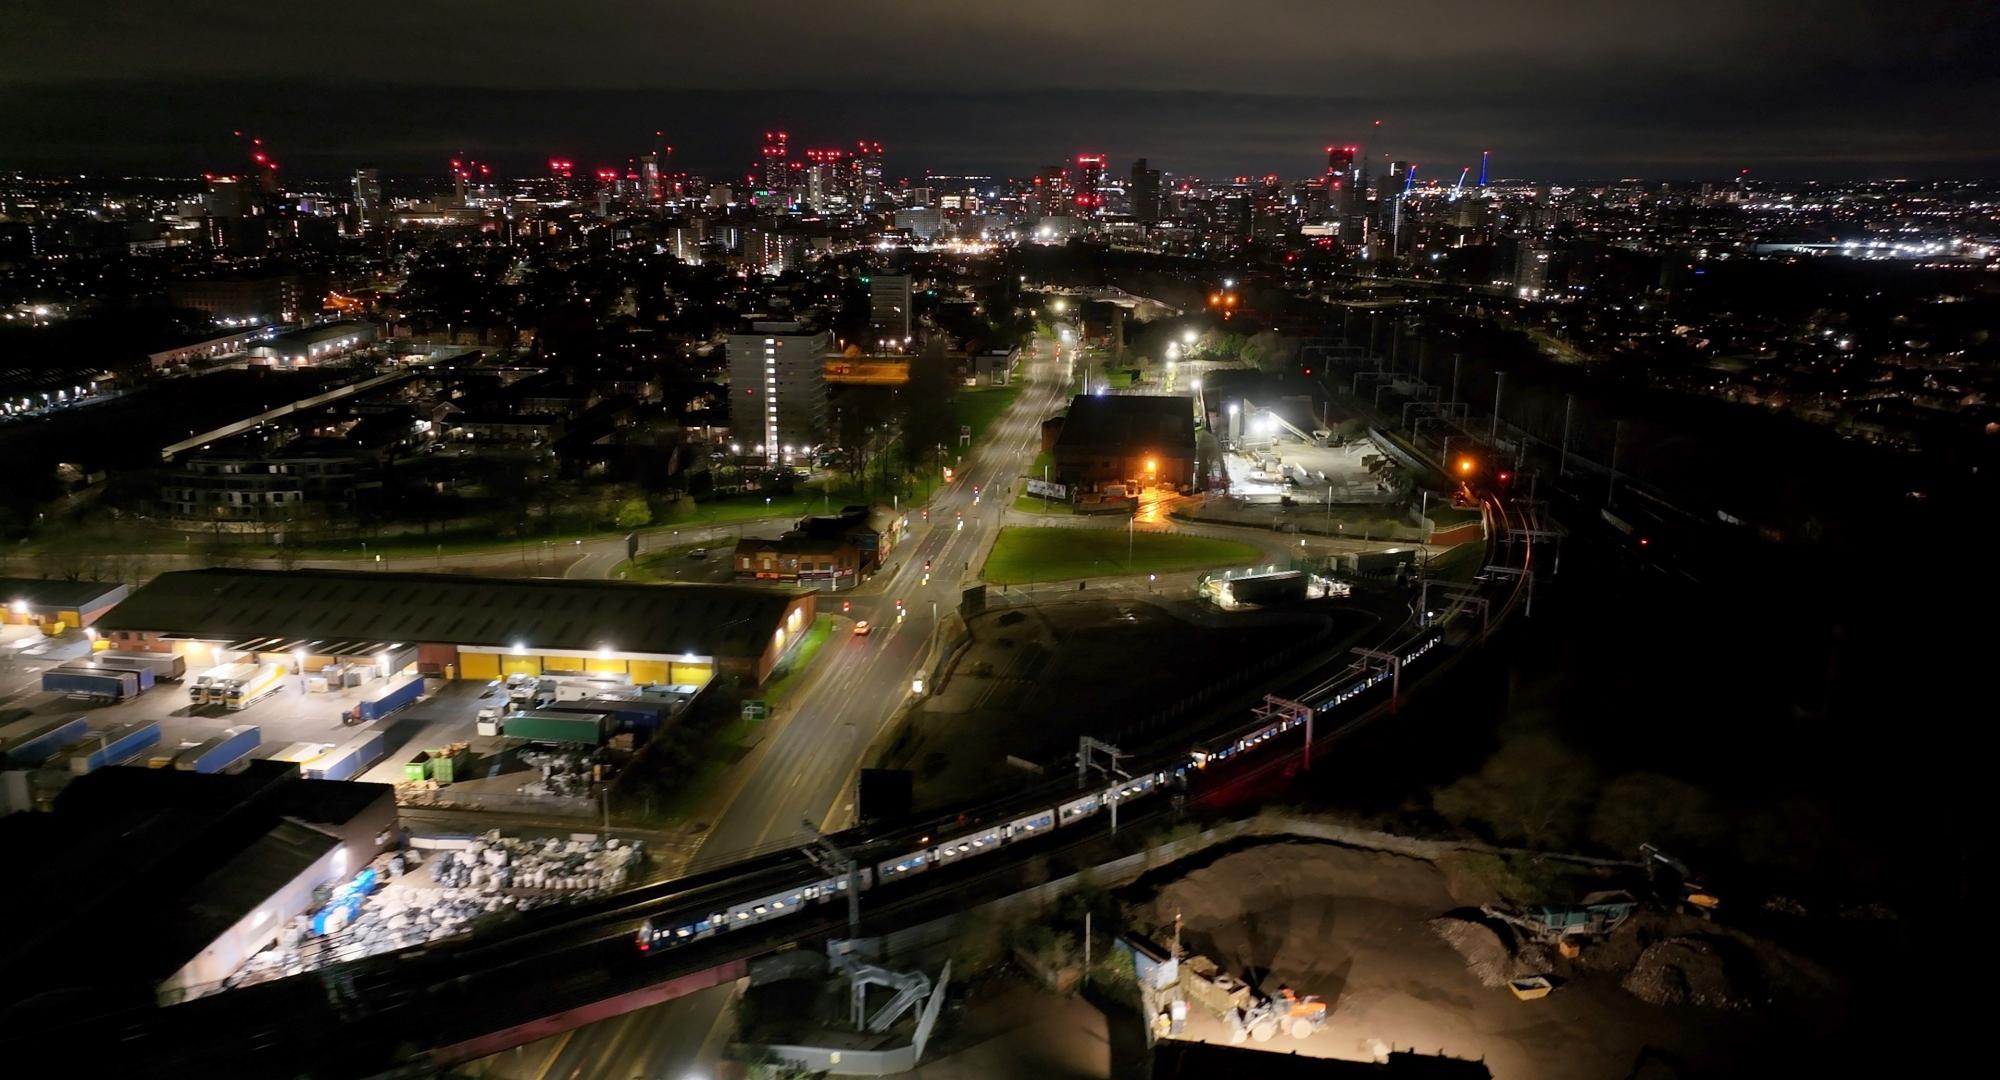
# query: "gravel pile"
{"type": "Point", "coordinates": [1686, 971]}
{"type": "Point", "coordinates": [1487, 955]}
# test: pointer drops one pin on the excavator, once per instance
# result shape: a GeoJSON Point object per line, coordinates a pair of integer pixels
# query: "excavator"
{"type": "Point", "coordinates": [1674, 881]}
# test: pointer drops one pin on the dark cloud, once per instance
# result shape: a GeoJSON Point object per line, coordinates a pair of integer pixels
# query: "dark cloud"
{"type": "Point", "coordinates": [1557, 88]}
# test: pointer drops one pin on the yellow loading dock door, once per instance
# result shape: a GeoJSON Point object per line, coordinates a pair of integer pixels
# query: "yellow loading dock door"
{"type": "Point", "coordinates": [595, 666]}
{"type": "Point", "coordinates": [691, 674]}
{"type": "Point", "coordinates": [521, 665]}
{"type": "Point", "coordinates": [647, 672]}
{"type": "Point", "coordinates": [478, 665]}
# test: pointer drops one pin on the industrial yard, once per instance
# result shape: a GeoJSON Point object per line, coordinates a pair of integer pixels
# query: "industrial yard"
{"type": "Point", "coordinates": [1354, 928]}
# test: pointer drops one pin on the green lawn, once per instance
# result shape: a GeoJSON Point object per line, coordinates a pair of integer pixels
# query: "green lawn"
{"type": "Point", "coordinates": [795, 666]}
{"type": "Point", "coordinates": [1034, 504]}
{"type": "Point", "coordinates": [694, 794]}
{"type": "Point", "coordinates": [980, 407]}
{"type": "Point", "coordinates": [1032, 553]}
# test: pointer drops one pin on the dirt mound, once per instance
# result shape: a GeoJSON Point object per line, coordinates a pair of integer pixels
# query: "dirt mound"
{"type": "Point", "coordinates": [1265, 875]}
{"type": "Point", "coordinates": [1487, 955]}
{"type": "Point", "coordinates": [1689, 971]}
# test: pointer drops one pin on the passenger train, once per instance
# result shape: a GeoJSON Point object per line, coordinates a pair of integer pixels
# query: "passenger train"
{"type": "Point", "coordinates": [670, 930]}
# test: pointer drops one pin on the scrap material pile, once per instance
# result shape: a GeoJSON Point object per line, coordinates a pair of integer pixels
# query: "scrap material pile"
{"type": "Point", "coordinates": [437, 888]}
{"type": "Point", "coordinates": [563, 775]}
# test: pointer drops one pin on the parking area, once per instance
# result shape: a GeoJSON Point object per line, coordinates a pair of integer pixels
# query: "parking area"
{"type": "Point", "coordinates": [288, 715]}
{"type": "Point", "coordinates": [1307, 473]}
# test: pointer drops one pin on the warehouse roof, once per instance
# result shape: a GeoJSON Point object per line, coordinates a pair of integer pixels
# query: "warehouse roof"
{"type": "Point", "coordinates": [447, 609]}
{"type": "Point", "coordinates": [57, 594]}
{"type": "Point", "coordinates": [1129, 421]}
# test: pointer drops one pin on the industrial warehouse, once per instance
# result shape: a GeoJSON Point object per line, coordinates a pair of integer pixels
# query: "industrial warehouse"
{"type": "Point", "coordinates": [464, 628]}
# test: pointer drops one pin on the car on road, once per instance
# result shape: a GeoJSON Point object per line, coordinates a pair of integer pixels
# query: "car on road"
{"type": "Point", "coordinates": [861, 628]}
{"type": "Point", "coordinates": [698, 553]}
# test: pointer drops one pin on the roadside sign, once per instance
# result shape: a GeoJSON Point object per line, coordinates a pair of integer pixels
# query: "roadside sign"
{"type": "Point", "coordinates": [756, 710]}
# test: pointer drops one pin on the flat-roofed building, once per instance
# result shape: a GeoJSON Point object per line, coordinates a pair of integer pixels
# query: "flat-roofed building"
{"type": "Point", "coordinates": [469, 628]}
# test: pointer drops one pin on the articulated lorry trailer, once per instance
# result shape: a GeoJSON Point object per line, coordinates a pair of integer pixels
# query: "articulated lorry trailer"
{"type": "Point", "coordinates": [114, 746]}
{"type": "Point", "coordinates": [30, 746]}
{"type": "Point", "coordinates": [217, 754]}
{"type": "Point", "coordinates": [405, 693]}
{"type": "Point", "coordinates": [167, 667]}
{"type": "Point", "coordinates": [97, 685]}
{"type": "Point", "coordinates": [245, 691]}
{"type": "Point", "coordinates": [556, 728]}
{"type": "Point", "coordinates": [147, 676]}
{"type": "Point", "coordinates": [351, 758]}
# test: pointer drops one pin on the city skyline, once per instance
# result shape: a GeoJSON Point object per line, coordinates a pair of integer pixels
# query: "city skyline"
{"type": "Point", "coordinates": [1560, 91]}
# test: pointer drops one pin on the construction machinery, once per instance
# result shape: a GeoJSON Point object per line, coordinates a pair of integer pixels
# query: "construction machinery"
{"type": "Point", "coordinates": [1674, 882]}
{"type": "Point", "coordinates": [1554, 924]}
{"type": "Point", "coordinates": [1264, 1016]}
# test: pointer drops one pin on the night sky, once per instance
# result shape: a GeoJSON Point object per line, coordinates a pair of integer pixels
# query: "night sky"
{"type": "Point", "coordinates": [1558, 89]}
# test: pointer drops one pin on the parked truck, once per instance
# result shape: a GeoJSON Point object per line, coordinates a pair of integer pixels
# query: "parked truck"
{"type": "Point", "coordinates": [207, 687]}
{"type": "Point", "coordinates": [245, 691]}
{"type": "Point", "coordinates": [109, 686]}
{"type": "Point", "coordinates": [167, 667]}
{"type": "Point", "coordinates": [100, 663]}
{"type": "Point", "coordinates": [556, 728]}
{"type": "Point", "coordinates": [30, 747]}
{"type": "Point", "coordinates": [217, 754]}
{"type": "Point", "coordinates": [114, 746]}
{"type": "Point", "coordinates": [627, 714]}
{"type": "Point", "coordinates": [351, 758]}
{"type": "Point", "coordinates": [404, 693]}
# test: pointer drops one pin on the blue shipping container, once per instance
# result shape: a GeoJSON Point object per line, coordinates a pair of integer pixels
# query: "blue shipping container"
{"type": "Point", "coordinates": [116, 746]}
{"type": "Point", "coordinates": [32, 751]}
{"type": "Point", "coordinates": [105, 685]}
{"type": "Point", "coordinates": [394, 699]}
{"type": "Point", "coordinates": [219, 753]}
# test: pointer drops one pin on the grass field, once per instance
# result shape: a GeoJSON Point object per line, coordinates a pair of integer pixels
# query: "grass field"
{"type": "Point", "coordinates": [1035, 504]}
{"type": "Point", "coordinates": [694, 793]}
{"type": "Point", "coordinates": [1024, 554]}
{"type": "Point", "coordinates": [789, 672]}
{"type": "Point", "coordinates": [978, 408]}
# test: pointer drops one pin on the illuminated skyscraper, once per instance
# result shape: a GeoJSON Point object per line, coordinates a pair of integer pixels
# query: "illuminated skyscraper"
{"type": "Point", "coordinates": [777, 153]}
{"type": "Point", "coordinates": [827, 179]}
{"type": "Point", "coordinates": [1089, 197]}
{"type": "Point", "coordinates": [1052, 191]}
{"type": "Point", "coordinates": [868, 169]}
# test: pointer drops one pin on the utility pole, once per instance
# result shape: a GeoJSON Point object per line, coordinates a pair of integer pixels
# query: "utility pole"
{"type": "Point", "coordinates": [828, 856]}
{"type": "Point", "coordinates": [1455, 358]}
{"type": "Point", "coordinates": [1499, 385]}
{"type": "Point", "coordinates": [1562, 463]}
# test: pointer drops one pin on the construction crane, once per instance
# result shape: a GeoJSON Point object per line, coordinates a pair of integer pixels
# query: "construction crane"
{"type": "Point", "coordinates": [1396, 222]}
